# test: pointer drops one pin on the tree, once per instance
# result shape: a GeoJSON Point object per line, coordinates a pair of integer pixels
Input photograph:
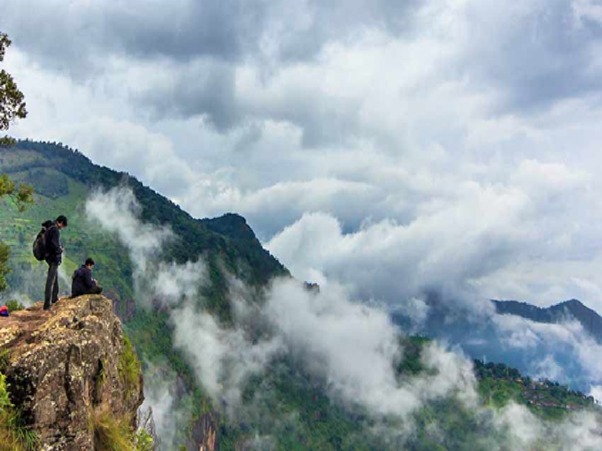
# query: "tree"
{"type": "Point", "coordinates": [21, 194]}
{"type": "Point", "coordinates": [12, 107]}
{"type": "Point", "coordinates": [12, 103]}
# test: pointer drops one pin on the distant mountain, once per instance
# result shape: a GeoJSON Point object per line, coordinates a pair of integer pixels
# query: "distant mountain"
{"type": "Point", "coordinates": [589, 319]}
{"type": "Point", "coordinates": [495, 338]}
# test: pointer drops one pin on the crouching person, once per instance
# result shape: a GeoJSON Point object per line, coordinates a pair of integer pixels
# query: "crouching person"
{"type": "Point", "coordinates": [83, 283]}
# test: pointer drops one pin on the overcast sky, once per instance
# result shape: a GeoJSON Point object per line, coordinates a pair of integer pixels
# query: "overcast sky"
{"type": "Point", "coordinates": [396, 146]}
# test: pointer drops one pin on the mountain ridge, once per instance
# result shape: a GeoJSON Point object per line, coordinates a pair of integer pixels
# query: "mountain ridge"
{"type": "Point", "coordinates": [557, 313]}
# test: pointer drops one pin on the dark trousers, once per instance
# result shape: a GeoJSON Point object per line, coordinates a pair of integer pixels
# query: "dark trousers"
{"type": "Point", "coordinates": [52, 285]}
{"type": "Point", "coordinates": [96, 289]}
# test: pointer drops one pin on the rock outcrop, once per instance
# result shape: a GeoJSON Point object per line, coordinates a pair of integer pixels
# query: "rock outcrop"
{"type": "Point", "coordinates": [68, 367]}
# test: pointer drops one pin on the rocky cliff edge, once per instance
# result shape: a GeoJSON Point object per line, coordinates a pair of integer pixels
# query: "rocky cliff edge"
{"type": "Point", "coordinates": [68, 368]}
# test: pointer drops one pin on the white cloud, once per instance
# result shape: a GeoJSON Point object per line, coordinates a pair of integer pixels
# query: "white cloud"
{"type": "Point", "coordinates": [161, 401]}
{"type": "Point", "coordinates": [223, 358]}
{"type": "Point", "coordinates": [334, 338]}
{"type": "Point", "coordinates": [524, 429]}
{"type": "Point", "coordinates": [549, 369]}
{"type": "Point", "coordinates": [173, 282]}
{"type": "Point", "coordinates": [117, 212]}
{"type": "Point", "coordinates": [444, 248]}
{"type": "Point", "coordinates": [596, 392]}
{"type": "Point", "coordinates": [339, 340]}
{"type": "Point", "coordinates": [561, 352]}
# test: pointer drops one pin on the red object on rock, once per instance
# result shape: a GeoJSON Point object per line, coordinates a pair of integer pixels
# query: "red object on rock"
{"type": "Point", "coordinates": [4, 310]}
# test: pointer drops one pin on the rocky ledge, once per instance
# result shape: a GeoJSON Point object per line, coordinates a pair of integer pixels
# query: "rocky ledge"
{"type": "Point", "coordinates": [68, 367]}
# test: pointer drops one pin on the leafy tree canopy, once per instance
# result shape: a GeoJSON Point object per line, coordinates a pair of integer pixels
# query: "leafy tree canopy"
{"type": "Point", "coordinates": [12, 107]}
{"type": "Point", "coordinates": [12, 100]}
{"type": "Point", "coordinates": [21, 194]}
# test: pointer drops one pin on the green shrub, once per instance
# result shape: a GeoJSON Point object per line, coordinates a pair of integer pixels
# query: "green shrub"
{"type": "Point", "coordinates": [14, 435]}
{"type": "Point", "coordinates": [143, 441]}
{"type": "Point", "coordinates": [4, 399]}
{"type": "Point", "coordinates": [14, 306]}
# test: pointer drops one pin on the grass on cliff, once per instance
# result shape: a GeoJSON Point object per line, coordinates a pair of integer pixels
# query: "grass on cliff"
{"type": "Point", "coordinates": [114, 434]}
{"type": "Point", "coordinates": [111, 434]}
{"type": "Point", "coordinates": [130, 368]}
{"type": "Point", "coordinates": [14, 436]}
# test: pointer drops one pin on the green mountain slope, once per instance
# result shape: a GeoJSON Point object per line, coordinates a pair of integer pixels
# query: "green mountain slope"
{"type": "Point", "coordinates": [308, 418]}
{"type": "Point", "coordinates": [63, 179]}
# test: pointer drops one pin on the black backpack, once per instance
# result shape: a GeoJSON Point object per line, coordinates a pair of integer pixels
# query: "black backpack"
{"type": "Point", "coordinates": [39, 244]}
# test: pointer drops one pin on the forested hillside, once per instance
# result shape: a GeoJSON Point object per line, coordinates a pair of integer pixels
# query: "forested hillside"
{"type": "Point", "coordinates": [63, 178]}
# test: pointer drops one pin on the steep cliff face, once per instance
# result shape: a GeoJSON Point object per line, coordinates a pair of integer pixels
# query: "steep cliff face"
{"type": "Point", "coordinates": [205, 434]}
{"type": "Point", "coordinates": [68, 368]}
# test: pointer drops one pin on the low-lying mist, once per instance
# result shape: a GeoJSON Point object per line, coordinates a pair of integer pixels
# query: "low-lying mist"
{"type": "Point", "coordinates": [349, 348]}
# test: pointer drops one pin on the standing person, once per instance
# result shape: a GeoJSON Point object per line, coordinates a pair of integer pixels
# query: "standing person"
{"type": "Point", "coordinates": [83, 283]}
{"type": "Point", "coordinates": [54, 258]}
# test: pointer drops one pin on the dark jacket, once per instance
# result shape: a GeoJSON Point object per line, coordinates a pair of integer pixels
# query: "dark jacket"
{"type": "Point", "coordinates": [82, 281]}
{"type": "Point", "coordinates": [54, 251]}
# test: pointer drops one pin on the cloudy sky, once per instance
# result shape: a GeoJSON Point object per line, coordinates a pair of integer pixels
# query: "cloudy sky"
{"type": "Point", "coordinates": [396, 146]}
